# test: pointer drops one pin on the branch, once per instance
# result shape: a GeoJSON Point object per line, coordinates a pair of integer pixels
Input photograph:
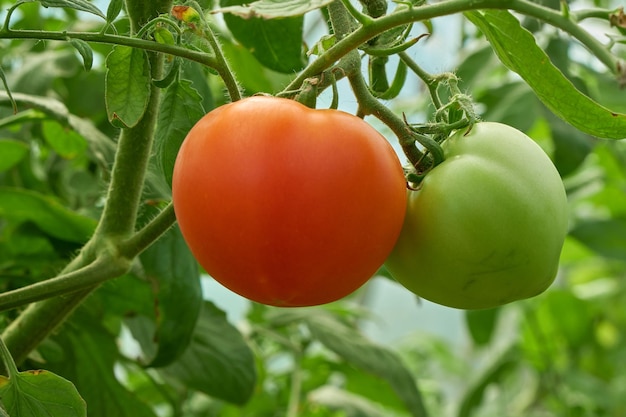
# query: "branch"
{"type": "Point", "coordinates": [140, 241]}
{"type": "Point", "coordinates": [416, 14]}
{"type": "Point", "coordinates": [103, 269]}
{"type": "Point", "coordinates": [94, 37]}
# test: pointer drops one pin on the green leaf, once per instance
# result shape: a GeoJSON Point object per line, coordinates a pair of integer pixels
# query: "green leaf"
{"type": "Point", "coordinates": [181, 108]}
{"type": "Point", "coordinates": [65, 141]}
{"type": "Point", "coordinates": [218, 362]}
{"type": "Point", "coordinates": [22, 205]}
{"type": "Point", "coordinates": [85, 52]}
{"type": "Point", "coordinates": [517, 49]}
{"type": "Point", "coordinates": [277, 44]}
{"type": "Point", "coordinates": [253, 76]}
{"type": "Point", "coordinates": [86, 353]}
{"type": "Point", "coordinates": [481, 324]}
{"type": "Point", "coordinates": [80, 5]}
{"type": "Point", "coordinates": [127, 85]}
{"type": "Point", "coordinates": [169, 265]}
{"type": "Point", "coordinates": [114, 9]}
{"type": "Point", "coordinates": [606, 237]}
{"type": "Point", "coordinates": [270, 9]}
{"type": "Point", "coordinates": [11, 152]}
{"type": "Point", "coordinates": [40, 393]}
{"type": "Point", "coordinates": [354, 348]}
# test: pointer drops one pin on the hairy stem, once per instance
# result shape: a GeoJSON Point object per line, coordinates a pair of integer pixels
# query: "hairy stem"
{"type": "Point", "coordinates": [95, 273]}
{"type": "Point", "coordinates": [95, 37]}
{"type": "Point", "coordinates": [118, 217]}
{"type": "Point", "coordinates": [149, 233]}
{"type": "Point", "coordinates": [448, 7]}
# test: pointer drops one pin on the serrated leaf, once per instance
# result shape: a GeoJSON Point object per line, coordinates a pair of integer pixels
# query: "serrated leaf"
{"type": "Point", "coordinates": [40, 394]}
{"type": "Point", "coordinates": [127, 85]}
{"type": "Point", "coordinates": [80, 5]}
{"type": "Point", "coordinates": [277, 44]}
{"type": "Point", "coordinates": [11, 152]}
{"type": "Point", "coordinates": [85, 52]}
{"type": "Point", "coordinates": [22, 205]}
{"type": "Point", "coordinates": [271, 9]}
{"type": "Point", "coordinates": [354, 348]}
{"type": "Point", "coordinates": [169, 264]}
{"type": "Point", "coordinates": [218, 362]}
{"type": "Point", "coordinates": [181, 108]}
{"type": "Point", "coordinates": [517, 49]}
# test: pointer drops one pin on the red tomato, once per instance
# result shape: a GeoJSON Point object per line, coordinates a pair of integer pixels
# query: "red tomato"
{"type": "Point", "coordinates": [286, 205]}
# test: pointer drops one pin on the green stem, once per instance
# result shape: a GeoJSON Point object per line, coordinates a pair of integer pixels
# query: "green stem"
{"type": "Point", "coordinates": [118, 217]}
{"type": "Point", "coordinates": [222, 67]}
{"type": "Point", "coordinates": [580, 15]}
{"type": "Point", "coordinates": [95, 273]}
{"type": "Point", "coordinates": [443, 8]}
{"type": "Point", "coordinates": [368, 104]}
{"type": "Point", "coordinates": [150, 233]}
{"type": "Point", "coordinates": [295, 389]}
{"type": "Point", "coordinates": [94, 37]}
{"type": "Point", "coordinates": [9, 363]}
{"type": "Point", "coordinates": [432, 82]}
{"type": "Point", "coordinates": [131, 161]}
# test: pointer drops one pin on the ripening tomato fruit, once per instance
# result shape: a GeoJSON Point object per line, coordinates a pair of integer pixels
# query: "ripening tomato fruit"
{"type": "Point", "coordinates": [286, 205]}
{"type": "Point", "coordinates": [487, 225]}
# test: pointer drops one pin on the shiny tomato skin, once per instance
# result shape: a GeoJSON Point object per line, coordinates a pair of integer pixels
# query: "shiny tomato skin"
{"type": "Point", "coordinates": [287, 205]}
{"type": "Point", "coordinates": [487, 225]}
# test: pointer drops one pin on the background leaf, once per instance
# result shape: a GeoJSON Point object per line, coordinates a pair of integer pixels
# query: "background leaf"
{"type": "Point", "coordinates": [12, 152]}
{"type": "Point", "coordinates": [481, 324]}
{"type": "Point", "coordinates": [277, 44]}
{"type": "Point", "coordinates": [354, 348]}
{"type": "Point", "coordinates": [22, 205]}
{"type": "Point", "coordinates": [606, 237]}
{"type": "Point", "coordinates": [218, 361]}
{"type": "Point", "coordinates": [87, 356]}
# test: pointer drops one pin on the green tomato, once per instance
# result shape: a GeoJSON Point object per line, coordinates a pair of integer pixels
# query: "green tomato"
{"type": "Point", "coordinates": [487, 225]}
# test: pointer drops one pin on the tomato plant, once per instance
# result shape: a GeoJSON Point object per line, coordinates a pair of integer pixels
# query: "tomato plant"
{"type": "Point", "coordinates": [487, 225]}
{"type": "Point", "coordinates": [295, 206]}
{"type": "Point", "coordinates": [287, 205]}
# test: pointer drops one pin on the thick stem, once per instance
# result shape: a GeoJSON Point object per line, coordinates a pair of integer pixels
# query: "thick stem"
{"type": "Point", "coordinates": [118, 218]}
